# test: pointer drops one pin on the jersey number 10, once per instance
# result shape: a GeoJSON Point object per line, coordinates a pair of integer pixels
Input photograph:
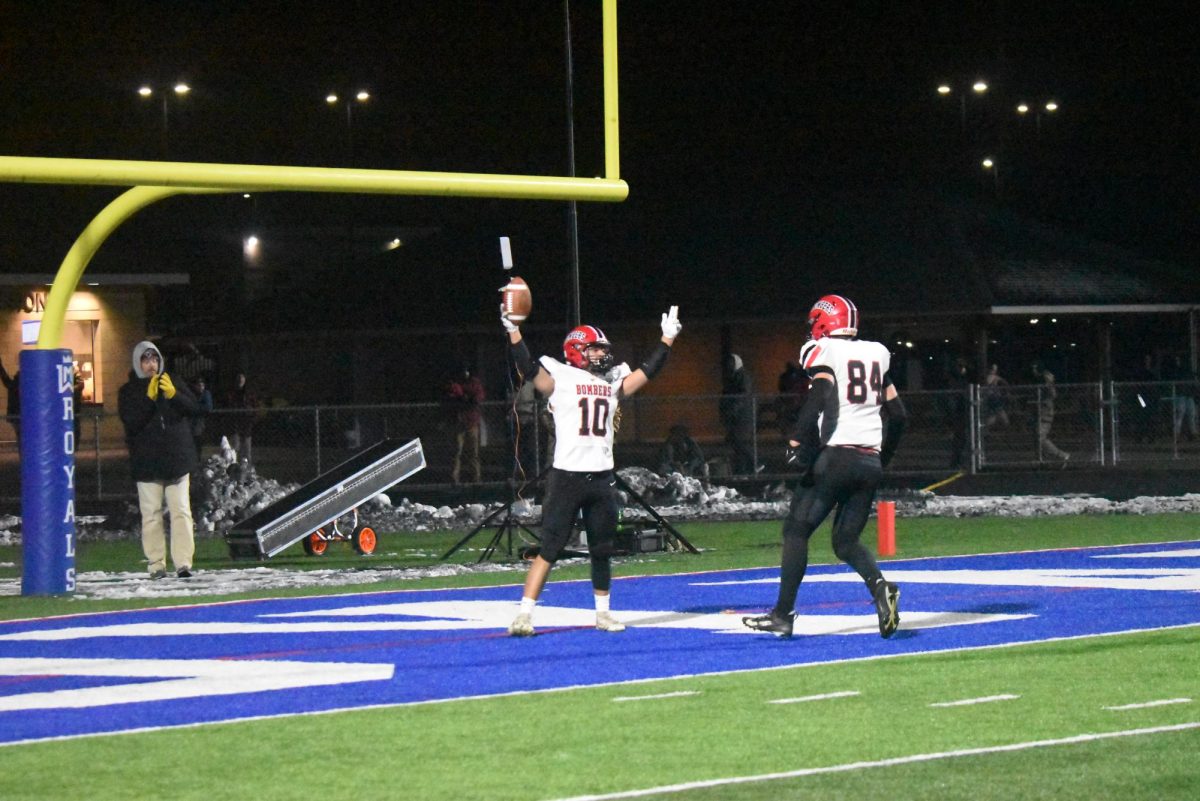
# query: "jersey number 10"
{"type": "Point", "coordinates": [594, 422]}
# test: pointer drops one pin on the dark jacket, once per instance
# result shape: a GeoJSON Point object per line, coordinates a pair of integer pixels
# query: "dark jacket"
{"type": "Point", "coordinates": [465, 397]}
{"type": "Point", "coordinates": [737, 395]}
{"type": "Point", "coordinates": [158, 433]}
{"type": "Point", "coordinates": [13, 384]}
{"type": "Point", "coordinates": [242, 398]}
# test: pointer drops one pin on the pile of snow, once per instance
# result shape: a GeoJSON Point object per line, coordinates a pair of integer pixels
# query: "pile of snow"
{"type": "Point", "coordinates": [225, 491]}
{"type": "Point", "coordinates": [229, 491]}
{"type": "Point", "coordinates": [1043, 506]}
{"type": "Point", "coordinates": [124, 585]}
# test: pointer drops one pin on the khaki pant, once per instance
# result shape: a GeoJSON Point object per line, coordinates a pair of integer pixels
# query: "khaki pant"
{"type": "Point", "coordinates": [1045, 421]}
{"type": "Point", "coordinates": [179, 507]}
{"type": "Point", "coordinates": [466, 449]}
{"type": "Point", "coordinates": [242, 444]}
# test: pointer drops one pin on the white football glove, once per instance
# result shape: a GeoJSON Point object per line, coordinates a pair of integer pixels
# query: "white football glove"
{"type": "Point", "coordinates": [670, 323]}
{"type": "Point", "coordinates": [508, 324]}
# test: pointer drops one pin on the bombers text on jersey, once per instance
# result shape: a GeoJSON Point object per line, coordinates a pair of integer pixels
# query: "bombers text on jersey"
{"type": "Point", "coordinates": [583, 405]}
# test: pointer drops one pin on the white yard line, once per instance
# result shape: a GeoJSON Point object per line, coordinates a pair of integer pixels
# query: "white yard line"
{"type": "Point", "coordinates": [882, 763]}
{"type": "Point", "coordinates": [1148, 704]}
{"type": "Point", "coordinates": [987, 699]}
{"type": "Point", "coordinates": [805, 698]}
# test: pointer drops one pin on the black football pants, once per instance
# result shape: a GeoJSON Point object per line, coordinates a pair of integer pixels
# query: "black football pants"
{"type": "Point", "coordinates": [596, 495]}
{"type": "Point", "coordinates": [844, 479]}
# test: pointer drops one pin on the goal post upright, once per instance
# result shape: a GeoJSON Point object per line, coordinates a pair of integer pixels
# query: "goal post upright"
{"type": "Point", "coordinates": [47, 421]}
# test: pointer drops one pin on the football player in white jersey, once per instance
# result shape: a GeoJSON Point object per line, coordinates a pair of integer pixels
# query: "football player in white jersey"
{"type": "Point", "coordinates": [584, 394]}
{"type": "Point", "coordinates": [841, 443]}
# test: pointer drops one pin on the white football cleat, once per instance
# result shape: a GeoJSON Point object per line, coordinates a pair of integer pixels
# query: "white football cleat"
{"type": "Point", "coordinates": [606, 622]}
{"type": "Point", "coordinates": [522, 626]}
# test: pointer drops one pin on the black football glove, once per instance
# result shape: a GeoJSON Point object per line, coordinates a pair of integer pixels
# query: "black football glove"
{"type": "Point", "coordinates": [799, 459]}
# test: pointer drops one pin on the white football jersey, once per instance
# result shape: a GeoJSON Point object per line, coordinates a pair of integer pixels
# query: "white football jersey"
{"type": "Point", "coordinates": [583, 405]}
{"type": "Point", "coordinates": [858, 368]}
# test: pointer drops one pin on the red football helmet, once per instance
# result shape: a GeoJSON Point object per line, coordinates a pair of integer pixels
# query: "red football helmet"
{"type": "Point", "coordinates": [577, 343]}
{"type": "Point", "coordinates": [833, 316]}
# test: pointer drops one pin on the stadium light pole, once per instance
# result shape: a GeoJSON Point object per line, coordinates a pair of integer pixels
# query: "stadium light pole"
{"type": "Point", "coordinates": [989, 165]}
{"type": "Point", "coordinates": [180, 90]}
{"type": "Point", "coordinates": [572, 210]}
{"type": "Point", "coordinates": [978, 87]}
{"type": "Point", "coordinates": [1049, 107]}
{"type": "Point", "coordinates": [360, 97]}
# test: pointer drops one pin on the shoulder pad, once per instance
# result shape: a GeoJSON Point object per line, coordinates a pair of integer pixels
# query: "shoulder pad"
{"type": "Point", "coordinates": [814, 354]}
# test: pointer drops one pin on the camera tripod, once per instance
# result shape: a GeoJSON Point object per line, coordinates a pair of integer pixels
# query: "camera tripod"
{"type": "Point", "coordinates": [508, 524]}
{"type": "Point", "coordinates": [674, 535]}
{"type": "Point", "coordinates": [505, 528]}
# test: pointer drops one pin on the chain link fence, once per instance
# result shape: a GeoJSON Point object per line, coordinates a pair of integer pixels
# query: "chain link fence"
{"type": "Point", "coordinates": [1034, 425]}
{"type": "Point", "coordinates": [1014, 427]}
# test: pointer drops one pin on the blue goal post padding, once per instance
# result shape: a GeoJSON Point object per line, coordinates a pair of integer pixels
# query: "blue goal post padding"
{"type": "Point", "coordinates": [47, 472]}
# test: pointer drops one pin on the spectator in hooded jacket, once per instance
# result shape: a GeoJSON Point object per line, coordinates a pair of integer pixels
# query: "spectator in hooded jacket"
{"type": "Point", "coordinates": [157, 416]}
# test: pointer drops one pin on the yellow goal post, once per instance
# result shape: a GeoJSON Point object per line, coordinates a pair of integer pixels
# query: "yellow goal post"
{"type": "Point", "coordinates": [152, 181]}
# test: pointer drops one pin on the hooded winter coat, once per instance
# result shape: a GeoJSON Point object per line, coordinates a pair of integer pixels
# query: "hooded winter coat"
{"type": "Point", "coordinates": [158, 432]}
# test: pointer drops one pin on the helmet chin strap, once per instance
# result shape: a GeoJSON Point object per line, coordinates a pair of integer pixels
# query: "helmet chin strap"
{"type": "Point", "coordinates": [602, 364]}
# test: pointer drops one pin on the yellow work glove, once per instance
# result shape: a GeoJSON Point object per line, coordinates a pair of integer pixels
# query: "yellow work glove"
{"type": "Point", "coordinates": [152, 388]}
{"type": "Point", "coordinates": [167, 386]}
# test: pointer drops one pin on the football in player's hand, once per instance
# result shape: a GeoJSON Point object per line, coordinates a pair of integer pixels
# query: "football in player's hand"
{"type": "Point", "coordinates": [516, 300]}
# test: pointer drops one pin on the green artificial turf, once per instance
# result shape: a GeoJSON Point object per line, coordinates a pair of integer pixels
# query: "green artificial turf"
{"type": "Point", "coordinates": [568, 743]}
{"type": "Point", "coordinates": [565, 743]}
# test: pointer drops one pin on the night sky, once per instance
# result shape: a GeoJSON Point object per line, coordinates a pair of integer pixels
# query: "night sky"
{"type": "Point", "coordinates": [741, 124]}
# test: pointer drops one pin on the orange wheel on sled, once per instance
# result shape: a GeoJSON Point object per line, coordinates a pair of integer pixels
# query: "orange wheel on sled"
{"type": "Point", "coordinates": [364, 540]}
{"type": "Point", "coordinates": [315, 544]}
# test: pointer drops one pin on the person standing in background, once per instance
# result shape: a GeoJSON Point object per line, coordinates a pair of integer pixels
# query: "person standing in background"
{"type": "Point", "coordinates": [957, 410]}
{"type": "Point", "coordinates": [1047, 394]}
{"type": "Point", "coordinates": [1183, 397]}
{"type": "Point", "coordinates": [204, 400]}
{"type": "Point", "coordinates": [243, 399]}
{"type": "Point", "coordinates": [12, 383]}
{"type": "Point", "coordinates": [737, 414]}
{"type": "Point", "coordinates": [156, 415]}
{"type": "Point", "coordinates": [77, 400]}
{"type": "Point", "coordinates": [995, 398]}
{"type": "Point", "coordinates": [465, 396]}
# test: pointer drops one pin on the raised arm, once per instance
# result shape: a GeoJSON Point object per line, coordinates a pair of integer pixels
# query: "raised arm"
{"type": "Point", "coordinates": [658, 357]}
{"type": "Point", "coordinates": [526, 366]}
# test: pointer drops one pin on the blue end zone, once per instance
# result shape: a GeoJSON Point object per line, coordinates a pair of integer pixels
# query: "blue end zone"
{"type": "Point", "coordinates": [163, 667]}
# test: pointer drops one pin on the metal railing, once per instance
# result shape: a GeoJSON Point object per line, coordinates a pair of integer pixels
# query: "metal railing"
{"type": "Point", "coordinates": [1099, 425]}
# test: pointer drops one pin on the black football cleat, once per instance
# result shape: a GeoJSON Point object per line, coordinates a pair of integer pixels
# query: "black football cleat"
{"type": "Point", "coordinates": [887, 604]}
{"type": "Point", "coordinates": [771, 624]}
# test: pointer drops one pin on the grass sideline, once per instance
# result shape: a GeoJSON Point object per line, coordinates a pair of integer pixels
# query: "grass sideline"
{"type": "Point", "coordinates": [568, 743]}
